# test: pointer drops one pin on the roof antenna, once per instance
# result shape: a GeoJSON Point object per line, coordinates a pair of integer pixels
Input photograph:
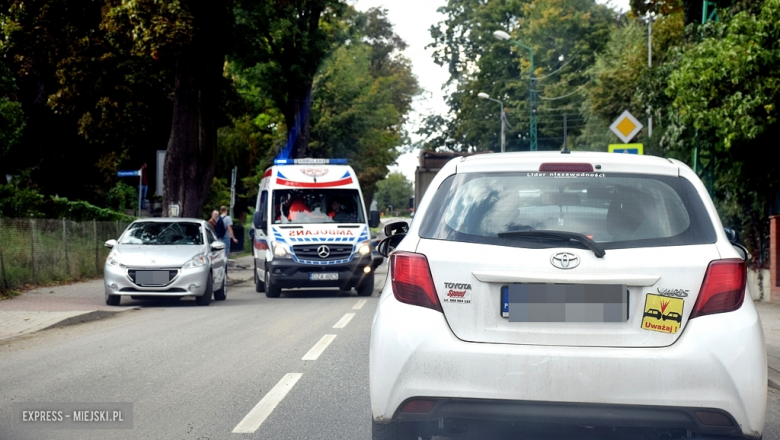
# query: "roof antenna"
{"type": "Point", "coordinates": [565, 149]}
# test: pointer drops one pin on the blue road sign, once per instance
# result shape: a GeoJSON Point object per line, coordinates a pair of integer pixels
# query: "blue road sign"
{"type": "Point", "coordinates": [128, 173]}
{"type": "Point", "coordinates": [626, 148]}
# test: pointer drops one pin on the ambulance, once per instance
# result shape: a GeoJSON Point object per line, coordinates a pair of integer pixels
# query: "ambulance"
{"type": "Point", "coordinates": [310, 228]}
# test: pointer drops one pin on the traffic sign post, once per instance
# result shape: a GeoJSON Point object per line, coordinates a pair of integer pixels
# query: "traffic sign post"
{"type": "Point", "coordinates": [626, 126]}
{"type": "Point", "coordinates": [627, 148]}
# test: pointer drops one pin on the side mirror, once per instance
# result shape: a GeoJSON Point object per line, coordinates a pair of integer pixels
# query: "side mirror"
{"type": "Point", "coordinates": [110, 243]}
{"type": "Point", "coordinates": [257, 220]}
{"type": "Point", "coordinates": [731, 234]}
{"type": "Point", "coordinates": [396, 228]}
{"type": "Point", "coordinates": [742, 251]}
{"type": "Point", "coordinates": [389, 244]}
{"type": "Point", "coordinates": [217, 246]}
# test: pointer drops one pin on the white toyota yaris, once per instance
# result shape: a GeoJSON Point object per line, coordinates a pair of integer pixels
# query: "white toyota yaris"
{"type": "Point", "coordinates": [566, 290]}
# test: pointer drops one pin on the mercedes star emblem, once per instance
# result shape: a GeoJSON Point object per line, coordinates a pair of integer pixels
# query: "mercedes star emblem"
{"type": "Point", "coordinates": [323, 251]}
{"type": "Point", "coordinates": [565, 260]}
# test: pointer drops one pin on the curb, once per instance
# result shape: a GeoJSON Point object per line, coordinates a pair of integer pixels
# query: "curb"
{"type": "Point", "coordinates": [86, 317]}
{"type": "Point", "coordinates": [774, 378]}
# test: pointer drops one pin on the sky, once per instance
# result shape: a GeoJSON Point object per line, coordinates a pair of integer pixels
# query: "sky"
{"type": "Point", "coordinates": [412, 20]}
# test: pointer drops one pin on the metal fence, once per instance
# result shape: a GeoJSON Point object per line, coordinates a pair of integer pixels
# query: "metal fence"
{"type": "Point", "coordinates": [37, 251]}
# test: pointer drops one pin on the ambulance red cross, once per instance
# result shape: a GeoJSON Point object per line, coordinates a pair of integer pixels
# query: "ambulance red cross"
{"type": "Point", "coordinates": [310, 228]}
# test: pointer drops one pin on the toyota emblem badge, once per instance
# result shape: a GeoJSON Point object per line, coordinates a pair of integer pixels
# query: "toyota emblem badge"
{"type": "Point", "coordinates": [565, 260]}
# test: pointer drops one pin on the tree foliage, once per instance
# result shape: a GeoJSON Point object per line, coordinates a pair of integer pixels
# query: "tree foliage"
{"type": "Point", "coordinates": [564, 36]}
{"type": "Point", "coordinates": [362, 96]}
{"type": "Point", "coordinates": [394, 191]}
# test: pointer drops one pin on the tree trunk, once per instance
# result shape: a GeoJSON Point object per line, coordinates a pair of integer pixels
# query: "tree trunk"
{"type": "Point", "coordinates": [191, 155]}
{"type": "Point", "coordinates": [298, 107]}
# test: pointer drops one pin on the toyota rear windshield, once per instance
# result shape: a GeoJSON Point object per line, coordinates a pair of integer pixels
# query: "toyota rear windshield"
{"type": "Point", "coordinates": [614, 210]}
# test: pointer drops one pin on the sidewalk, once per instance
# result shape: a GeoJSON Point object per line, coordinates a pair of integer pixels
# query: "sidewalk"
{"type": "Point", "coordinates": [770, 319]}
{"type": "Point", "coordinates": [56, 306]}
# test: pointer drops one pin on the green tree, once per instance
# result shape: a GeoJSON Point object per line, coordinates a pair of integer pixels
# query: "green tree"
{"type": "Point", "coordinates": [564, 35]}
{"type": "Point", "coordinates": [192, 35]}
{"type": "Point", "coordinates": [362, 97]}
{"type": "Point", "coordinates": [285, 43]}
{"type": "Point", "coordinates": [394, 190]}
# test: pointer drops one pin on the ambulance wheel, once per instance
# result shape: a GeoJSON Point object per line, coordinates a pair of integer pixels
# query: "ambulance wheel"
{"type": "Point", "coordinates": [271, 291]}
{"type": "Point", "coordinates": [259, 285]}
{"type": "Point", "coordinates": [367, 287]}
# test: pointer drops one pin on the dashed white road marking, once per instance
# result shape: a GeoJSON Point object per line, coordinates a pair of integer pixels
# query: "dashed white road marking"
{"type": "Point", "coordinates": [359, 305]}
{"type": "Point", "coordinates": [318, 348]}
{"type": "Point", "coordinates": [263, 409]}
{"type": "Point", "coordinates": [344, 321]}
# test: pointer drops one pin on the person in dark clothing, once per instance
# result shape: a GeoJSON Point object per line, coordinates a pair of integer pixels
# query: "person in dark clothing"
{"type": "Point", "coordinates": [144, 186]}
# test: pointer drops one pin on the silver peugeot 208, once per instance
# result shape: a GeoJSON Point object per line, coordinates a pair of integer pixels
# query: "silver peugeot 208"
{"type": "Point", "coordinates": [171, 257]}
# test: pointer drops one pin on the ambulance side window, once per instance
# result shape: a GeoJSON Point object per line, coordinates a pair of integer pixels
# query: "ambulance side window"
{"type": "Point", "coordinates": [264, 208]}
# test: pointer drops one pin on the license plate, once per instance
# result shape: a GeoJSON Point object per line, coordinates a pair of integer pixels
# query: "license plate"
{"type": "Point", "coordinates": [151, 277]}
{"type": "Point", "coordinates": [323, 276]}
{"type": "Point", "coordinates": [564, 303]}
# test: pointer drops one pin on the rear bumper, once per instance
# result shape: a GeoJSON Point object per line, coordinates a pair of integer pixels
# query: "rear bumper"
{"type": "Point", "coordinates": [415, 355]}
{"type": "Point", "coordinates": [288, 274]}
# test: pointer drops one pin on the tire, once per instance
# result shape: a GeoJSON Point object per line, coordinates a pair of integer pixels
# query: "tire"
{"type": "Point", "coordinates": [367, 287]}
{"type": "Point", "coordinates": [393, 431]}
{"type": "Point", "coordinates": [221, 294]}
{"type": "Point", "coordinates": [113, 300]}
{"type": "Point", "coordinates": [271, 291]}
{"type": "Point", "coordinates": [205, 299]}
{"type": "Point", "coordinates": [259, 285]}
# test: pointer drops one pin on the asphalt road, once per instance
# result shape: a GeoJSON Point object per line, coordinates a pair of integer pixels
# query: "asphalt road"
{"type": "Point", "coordinates": [246, 368]}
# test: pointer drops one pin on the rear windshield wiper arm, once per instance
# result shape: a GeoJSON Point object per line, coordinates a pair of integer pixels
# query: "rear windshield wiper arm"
{"type": "Point", "coordinates": [592, 245]}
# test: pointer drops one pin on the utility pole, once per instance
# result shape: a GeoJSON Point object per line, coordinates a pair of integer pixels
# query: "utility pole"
{"type": "Point", "coordinates": [502, 35]}
{"type": "Point", "coordinates": [649, 65]}
{"type": "Point", "coordinates": [233, 191]}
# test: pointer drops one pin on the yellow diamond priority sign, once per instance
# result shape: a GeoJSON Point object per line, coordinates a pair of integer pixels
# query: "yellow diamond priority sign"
{"type": "Point", "coordinates": [626, 126]}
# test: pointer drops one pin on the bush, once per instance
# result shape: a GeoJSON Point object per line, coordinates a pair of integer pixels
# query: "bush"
{"type": "Point", "coordinates": [122, 196]}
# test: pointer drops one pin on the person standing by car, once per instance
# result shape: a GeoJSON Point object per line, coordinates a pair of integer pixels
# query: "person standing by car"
{"type": "Point", "coordinates": [144, 186]}
{"type": "Point", "coordinates": [224, 229]}
{"type": "Point", "coordinates": [213, 219]}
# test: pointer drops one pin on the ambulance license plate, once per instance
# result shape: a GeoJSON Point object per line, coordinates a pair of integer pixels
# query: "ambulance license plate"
{"type": "Point", "coordinates": [324, 276]}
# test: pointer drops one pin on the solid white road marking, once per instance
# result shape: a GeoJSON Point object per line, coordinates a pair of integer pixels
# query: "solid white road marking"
{"type": "Point", "coordinates": [263, 409]}
{"type": "Point", "coordinates": [344, 321]}
{"type": "Point", "coordinates": [359, 304]}
{"type": "Point", "coordinates": [318, 348]}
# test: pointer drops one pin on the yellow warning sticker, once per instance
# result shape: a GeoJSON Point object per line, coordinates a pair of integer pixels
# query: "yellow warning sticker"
{"type": "Point", "coordinates": [662, 313]}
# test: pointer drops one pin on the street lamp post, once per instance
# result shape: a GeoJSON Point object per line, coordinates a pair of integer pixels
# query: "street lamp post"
{"type": "Point", "coordinates": [484, 95]}
{"type": "Point", "coordinates": [501, 35]}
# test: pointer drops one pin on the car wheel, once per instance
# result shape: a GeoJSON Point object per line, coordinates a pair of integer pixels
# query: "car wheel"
{"type": "Point", "coordinates": [205, 299]}
{"type": "Point", "coordinates": [271, 291]}
{"type": "Point", "coordinates": [393, 431]}
{"type": "Point", "coordinates": [221, 294]}
{"type": "Point", "coordinates": [259, 285]}
{"type": "Point", "coordinates": [367, 287]}
{"type": "Point", "coordinates": [113, 300]}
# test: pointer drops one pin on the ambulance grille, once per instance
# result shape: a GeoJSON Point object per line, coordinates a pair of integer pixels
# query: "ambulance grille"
{"type": "Point", "coordinates": [310, 251]}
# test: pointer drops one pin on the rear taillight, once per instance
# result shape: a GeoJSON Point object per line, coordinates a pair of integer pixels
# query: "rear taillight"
{"type": "Point", "coordinates": [567, 167]}
{"type": "Point", "coordinates": [412, 280]}
{"type": "Point", "coordinates": [723, 289]}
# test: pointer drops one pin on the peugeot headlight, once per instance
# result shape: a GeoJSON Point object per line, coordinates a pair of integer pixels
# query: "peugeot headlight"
{"type": "Point", "coordinates": [281, 250]}
{"type": "Point", "coordinates": [196, 261]}
{"type": "Point", "coordinates": [364, 248]}
{"type": "Point", "coordinates": [113, 258]}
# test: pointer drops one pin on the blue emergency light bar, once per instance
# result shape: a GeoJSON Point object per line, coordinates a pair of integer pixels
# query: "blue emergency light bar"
{"type": "Point", "coordinates": [309, 161]}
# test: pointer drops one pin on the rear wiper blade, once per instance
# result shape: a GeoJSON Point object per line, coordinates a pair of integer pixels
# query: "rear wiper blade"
{"type": "Point", "coordinates": [592, 245]}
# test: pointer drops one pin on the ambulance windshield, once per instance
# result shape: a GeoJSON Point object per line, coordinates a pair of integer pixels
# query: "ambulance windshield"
{"type": "Point", "coordinates": [301, 206]}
